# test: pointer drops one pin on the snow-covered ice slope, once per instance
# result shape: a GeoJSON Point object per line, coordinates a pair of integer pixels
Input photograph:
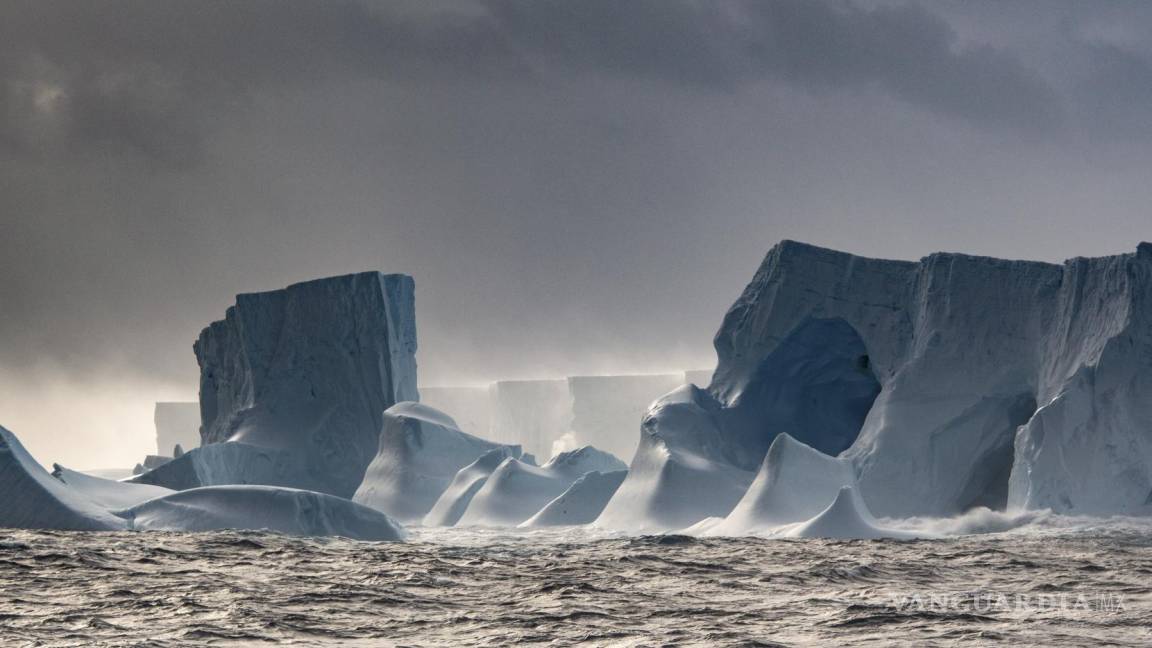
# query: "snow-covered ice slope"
{"type": "Point", "coordinates": [607, 409]}
{"type": "Point", "coordinates": [684, 470]}
{"type": "Point", "coordinates": [517, 490]}
{"type": "Point", "coordinates": [31, 498]}
{"type": "Point", "coordinates": [232, 463]}
{"type": "Point", "coordinates": [530, 413]}
{"type": "Point", "coordinates": [582, 502]}
{"type": "Point", "coordinates": [309, 370]}
{"type": "Point", "coordinates": [108, 493]}
{"type": "Point", "coordinates": [962, 348]}
{"type": "Point", "coordinates": [795, 483]}
{"type": "Point", "coordinates": [465, 484]}
{"type": "Point", "coordinates": [470, 407]}
{"type": "Point", "coordinates": [176, 423]}
{"type": "Point", "coordinates": [284, 510]}
{"type": "Point", "coordinates": [846, 518]}
{"type": "Point", "coordinates": [419, 454]}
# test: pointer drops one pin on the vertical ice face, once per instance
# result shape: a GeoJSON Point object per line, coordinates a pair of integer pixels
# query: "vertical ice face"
{"type": "Point", "coordinates": [309, 370]}
{"type": "Point", "coordinates": [530, 413]}
{"type": "Point", "coordinates": [962, 351]}
{"type": "Point", "coordinates": [607, 409]}
{"type": "Point", "coordinates": [177, 424]}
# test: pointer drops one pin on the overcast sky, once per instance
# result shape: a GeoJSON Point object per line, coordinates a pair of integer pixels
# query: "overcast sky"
{"type": "Point", "coordinates": [576, 186]}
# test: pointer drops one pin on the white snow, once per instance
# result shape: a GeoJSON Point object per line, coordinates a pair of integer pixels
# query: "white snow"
{"type": "Point", "coordinates": [683, 470]}
{"type": "Point", "coordinates": [516, 490]}
{"type": "Point", "coordinates": [284, 510]}
{"type": "Point", "coordinates": [582, 503]}
{"type": "Point", "coordinates": [794, 484]}
{"type": "Point", "coordinates": [420, 452]}
{"type": "Point", "coordinates": [176, 424]}
{"type": "Point", "coordinates": [465, 484]}
{"type": "Point", "coordinates": [845, 518]}
{"type": "Point", "coordinates": [108, 493]}
{"type": "Point", "coordinates": [308, 370]}
{"type": "Point", "coordinates": [31, 498]}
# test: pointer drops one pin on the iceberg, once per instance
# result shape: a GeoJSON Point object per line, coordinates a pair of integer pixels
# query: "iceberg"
{"type": "Point", "coordinates": [517, 490]}
{"type": "Point", "coordinates": [582, 503]}
{"type": "Point", "coordinates": [795, 483]}
{"type": "Point", "coordinates": [108, 493]}
{"type": "Point", "coordinates": [308, 371]}
{"type": "Point", "coordinates": [980, 381]}
{"type": "Point", "coordinates": [34, 499]}
{"type": "Point", "coordinates": [420, 452]}
{"type": "Point", "coordinates": [607, 409]}
{"type": "Point", "coordinates": [283, 510]}
{"type": "Point", "coordinates": [177, 424]}
{"type": "Point", "coordinates": [846, 518]}
{"type": "Point", "coordinates": [530, 413]}
{"type": "Point", "coordinates": [452, 503]}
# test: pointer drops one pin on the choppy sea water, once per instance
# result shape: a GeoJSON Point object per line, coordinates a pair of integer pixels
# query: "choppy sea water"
{"type": "Point", "coordinates": [1077, 585]}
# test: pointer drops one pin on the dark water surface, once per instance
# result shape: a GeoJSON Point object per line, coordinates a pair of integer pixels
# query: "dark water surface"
{"type": "Point", "coordinates": [459, 587]}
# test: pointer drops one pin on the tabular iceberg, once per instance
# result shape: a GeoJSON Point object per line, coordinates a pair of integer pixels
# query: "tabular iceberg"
{"type": "Point", "coordinates": [582, 503]}
{"type": "Point", "coordinates": [309, 370]}
{"type": "Point", "coordinates": [531, 413]}
{"type": "Point", "coordinates": [956, 351]}
{"type": "Point", "coordinates": [470, 407]}
{"type": "Point", "coordinates": [516, 490]}
{"type": "Point", "coordinates": [176, 424]}
{"type": "Point", "coordinates": [420, 452]}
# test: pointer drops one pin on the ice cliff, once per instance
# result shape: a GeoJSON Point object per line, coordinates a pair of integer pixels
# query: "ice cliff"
{"type": "Point", "coordinates": [420, 451]}
{"type": "Point", "coordinates": [306, 373]}
{"type": "Point", "coordinates": [530, 413]}
{"type": "Point", "coordinates": [952, 382]}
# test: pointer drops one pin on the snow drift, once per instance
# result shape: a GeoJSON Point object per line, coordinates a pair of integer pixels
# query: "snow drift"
{"type": "Point", "coordinates": [308, 371]}
{"type": "Point", "coordinates": [420, 452]}
{"type": "Point", "coordinates": [795, 483]}
{"type": "Point", "coordinates": [283, 510]}
{"type": "Point", "coordinates": [846, 518]}
{"type": "Point", "coordinates": [108, 493]}
{"type": "Point", "coordinates": [582, 503]}
{"type": "Point", "coordinates": [517, 490]}
{"type": "Point", "coordinates": [33, 499]}
{"type": "Point", "coordinates": [452, 503]}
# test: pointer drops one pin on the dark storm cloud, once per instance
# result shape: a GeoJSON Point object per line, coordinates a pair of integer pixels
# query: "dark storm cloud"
{"type": "Point", "coordinates": [147, 75]}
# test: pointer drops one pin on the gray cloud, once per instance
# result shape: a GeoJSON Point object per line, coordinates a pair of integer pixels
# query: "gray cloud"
{"type": "Point", "coordinates": [576, 186]}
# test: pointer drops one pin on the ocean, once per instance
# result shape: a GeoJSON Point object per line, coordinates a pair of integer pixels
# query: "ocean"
{"type": "Point", "coordinates": [1053, 582]}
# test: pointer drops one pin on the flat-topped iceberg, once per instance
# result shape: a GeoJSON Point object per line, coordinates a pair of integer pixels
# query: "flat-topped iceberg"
{"type": "Point", "coordinates": [607, 409]}
{"type": "Point", "coordinates": [308, 371]}
{"type": "Point", "coordinates": [420, 451]}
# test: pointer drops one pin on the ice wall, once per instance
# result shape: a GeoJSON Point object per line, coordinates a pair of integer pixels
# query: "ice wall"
{"type": "Point", "coordinates": [309, 370]}
{"type": "Point", "coordinates": [963, 350]}
{"type": "Point", "coordinates": [607, 409]}
{"type": "Point", "coordinates": [177, 423]}
{"type": "Point", "coordinates": [470, 407]}
{"type": "Point", "coordinates": [530, 413]}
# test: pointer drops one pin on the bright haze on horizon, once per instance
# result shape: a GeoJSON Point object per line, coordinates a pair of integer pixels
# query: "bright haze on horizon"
{"type": "Point", "coordinates": [577, 187]}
